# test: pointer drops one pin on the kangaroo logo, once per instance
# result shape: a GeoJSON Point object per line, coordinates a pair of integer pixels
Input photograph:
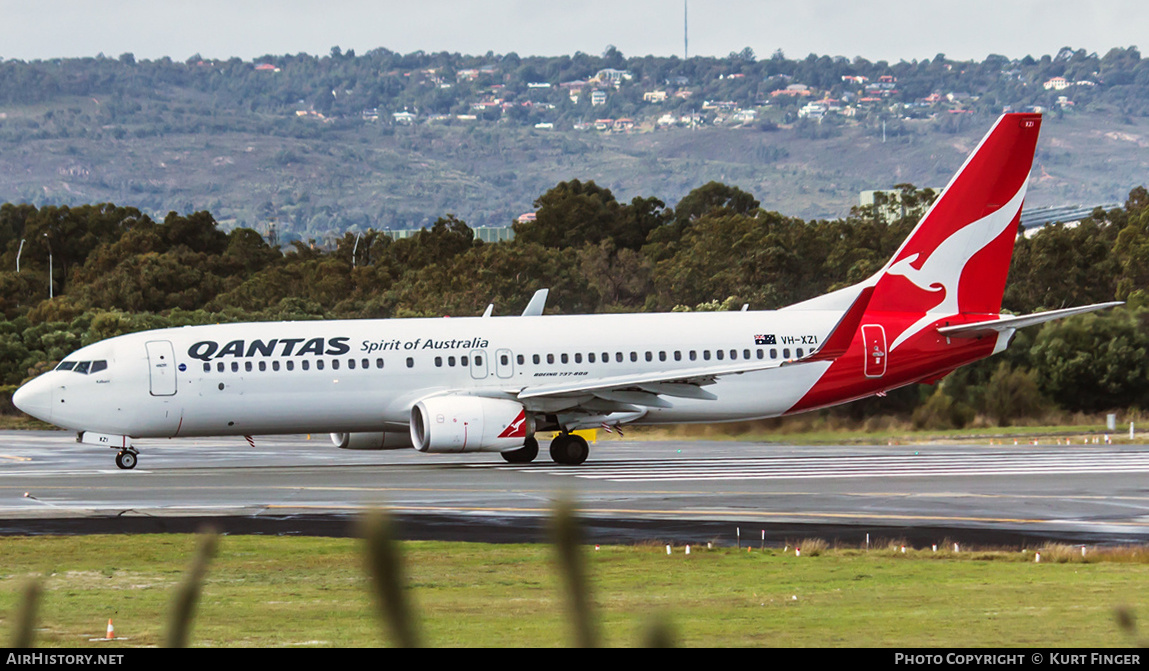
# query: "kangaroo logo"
{"type": "Point", "coordinates": [517, 428]}
{"type": "Point", "coordinates": [941, 270]}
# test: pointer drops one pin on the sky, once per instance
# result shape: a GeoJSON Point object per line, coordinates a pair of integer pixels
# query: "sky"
{"type": "Point", "coordinates": [889, 30]}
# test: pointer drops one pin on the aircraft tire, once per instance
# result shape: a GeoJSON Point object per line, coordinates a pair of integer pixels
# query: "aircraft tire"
{"type": "Point", "coordinates": [525, 454]}
{"type": "Point", "coordinates": [126, 460]}
{"type": "Point", "coordinates": [569, 449]}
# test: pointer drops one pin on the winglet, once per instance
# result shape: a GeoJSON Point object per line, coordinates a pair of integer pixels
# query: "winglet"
{"type": "Point", "coordinates": [836, 344]}
{"type": "Point", "coordinates": [538, 302]}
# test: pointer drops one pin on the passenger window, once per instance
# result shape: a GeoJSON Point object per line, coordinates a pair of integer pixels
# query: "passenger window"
{"type": "Point", "coordinates": [693, 355]}
{"type": "Point", "coordinates": [677, 355]}
{"type": "Point", "coordinates": [786, 353]}
{"type": "Point", "coordinates": [662, 356]}
{"type": "Point", "coordinates": [235, 366]}
{"type": "Point", "coordinates": [351, 364]}
{"type": "Point", "coordinates": [262, 366]}
{"type": "Point", "coordinates": [618, 357]}
{"type": "Point", "coordinates": [305, 364]}
{"type": "Point", "coordinates": [478, 361]}
{"type": "Point", "coordinates": [319, 364]}
{"type": "Point", "coordinates": [634, 356]}
{"type": "Point", "coordinates": [462, 361]}
{"type": "Point", "coordinates": [733, 354]}
{"type": "Point", "coordinates": [66, 365]}
{"type": "Point", "coordinates": [590, 357]}
{"type": "Point", "coordinates": [366, 363]}
{"type": "Point", "coordinates": [438, 362]}
{"type": "Point", "coordinates": [535, 358]}
{"type": "Point", "coordinates": [706, 354]}
{"type": "Point", "coordinates": [745, 354]}
{"type": "Point", "coordinates": [649, 356]}
{"type": "Point", "coordinates": [719, 354]}
{"type": "Point", "coordinates": [504, 360]}
{"type": "Point", "coordinates": [334, 364]}
{"type": "Point", "coordinates": [290, 365]}
{"type": "Point", "coordinates": [379, 363]}
{"type": "Point", "coordinates": [761, 353]}
{"type": "Point", "coordinates": [773, 353]}
{"type": "Point", "coordinates": [275, 366]}
{"type": "Point", "coordinates": [564, 357]}
{"type": "Point", "coordinates": [520, 358]}
{"type": "Point", "coordinates": [206, 367]}
{"type": "Point", "coordinates": [247, 366]}
{"type": "Point", "coordinates": [410, 362]}
{"type": "Point", "coordinates": [219, 366]}
{"type": "Point", "coordinates": [799, 352]}
{"type": "Point", "coordinates": [550, 358]}
{"type": "Point", "coordinates": [451, 361]}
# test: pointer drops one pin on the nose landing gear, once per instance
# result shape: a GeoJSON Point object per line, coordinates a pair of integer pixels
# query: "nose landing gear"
{"type": "Point", "coordinates": [126, 458]}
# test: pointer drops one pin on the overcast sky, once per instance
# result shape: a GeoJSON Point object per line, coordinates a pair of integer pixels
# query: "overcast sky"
{"type": "Point", "coordinates": [876, 30]}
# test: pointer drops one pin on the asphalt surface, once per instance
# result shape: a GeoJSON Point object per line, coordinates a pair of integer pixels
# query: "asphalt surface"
{"type": "Point", "coordinates": [628, 491]}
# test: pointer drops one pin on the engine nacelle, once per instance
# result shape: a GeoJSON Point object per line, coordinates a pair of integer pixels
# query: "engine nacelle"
{"type": "Point", "coordinates": [388, 440]}
{"type": "Point", "coordinates": [469, 424]}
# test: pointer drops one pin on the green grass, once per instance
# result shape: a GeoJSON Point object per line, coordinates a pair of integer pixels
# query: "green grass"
{"type": "Point", "coordinates": [277, 591]}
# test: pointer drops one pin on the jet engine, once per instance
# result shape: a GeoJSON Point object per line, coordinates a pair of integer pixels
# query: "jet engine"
{"type": "Point", "coordinates": [389, 440]}
{"type": "Point", "coordinates": [469, 424]}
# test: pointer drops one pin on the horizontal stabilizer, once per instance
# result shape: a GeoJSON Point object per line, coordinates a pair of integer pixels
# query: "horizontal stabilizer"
{"type": "Point", "coordinates": [977, 329]}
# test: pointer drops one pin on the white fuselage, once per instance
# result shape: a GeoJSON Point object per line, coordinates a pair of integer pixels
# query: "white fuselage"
{"type": "Point", "coordinates": [365, 375]}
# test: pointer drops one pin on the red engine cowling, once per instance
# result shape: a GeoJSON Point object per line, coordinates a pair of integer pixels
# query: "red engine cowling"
{"type": "Point", "coordinates": [389, 440]}
{"type": "Point", "coordinates": [469, 424]}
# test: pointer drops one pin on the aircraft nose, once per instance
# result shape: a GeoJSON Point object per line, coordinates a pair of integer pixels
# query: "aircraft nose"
{"type": "Point", "coordinates": [35, 398]}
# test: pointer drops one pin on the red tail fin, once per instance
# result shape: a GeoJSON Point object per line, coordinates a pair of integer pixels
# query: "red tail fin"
{"type": "Point", "coordinates": [957, 258]}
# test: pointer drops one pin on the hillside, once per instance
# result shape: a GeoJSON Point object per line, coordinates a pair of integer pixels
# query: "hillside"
{"type": "Point", "coordinates": [323, 145]}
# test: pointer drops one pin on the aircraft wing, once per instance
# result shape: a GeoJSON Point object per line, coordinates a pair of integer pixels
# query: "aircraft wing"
{"type": "Point", "coordinates": [991, 326]}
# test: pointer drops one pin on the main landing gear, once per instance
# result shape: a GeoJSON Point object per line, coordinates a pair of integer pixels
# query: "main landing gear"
{"type": "Point", "coordinates": [126, 458]}
{"type": "Point", "coordinates": [525, 454]}
{"type": "Point", "coordinates": [567, 449]}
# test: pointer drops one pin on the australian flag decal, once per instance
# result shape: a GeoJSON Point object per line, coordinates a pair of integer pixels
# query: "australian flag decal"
{"type": "Point", "coordinates": [765, 340]}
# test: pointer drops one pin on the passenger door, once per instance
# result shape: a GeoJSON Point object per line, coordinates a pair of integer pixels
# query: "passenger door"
{"type": "Point", "coordinates": [161, 367]}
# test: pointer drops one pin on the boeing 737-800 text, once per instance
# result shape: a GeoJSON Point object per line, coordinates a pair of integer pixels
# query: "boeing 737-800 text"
{"type": "Point", "coordinates": [489, 383]}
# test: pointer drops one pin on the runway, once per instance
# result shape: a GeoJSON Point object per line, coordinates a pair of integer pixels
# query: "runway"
{"type": "Point", "coordinates": [628, 491]}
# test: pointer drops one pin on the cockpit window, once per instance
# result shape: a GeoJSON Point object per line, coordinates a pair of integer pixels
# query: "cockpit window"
{"type": "Point", "coordinates": [83, 367]}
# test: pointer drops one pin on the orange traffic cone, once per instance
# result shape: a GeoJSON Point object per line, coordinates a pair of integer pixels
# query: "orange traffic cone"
{"type": "Point", "coordinates": [111, 631]}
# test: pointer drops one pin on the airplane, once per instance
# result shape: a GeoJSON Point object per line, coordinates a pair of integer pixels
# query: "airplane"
{"type": "Point", "coordinates": [491, 383]}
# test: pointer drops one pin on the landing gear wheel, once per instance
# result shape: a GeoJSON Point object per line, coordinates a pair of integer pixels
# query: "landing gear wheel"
{"type": "Point", "coordinates": [569, 450]}
{"type": "Point", "coordinates": [525, 454]}
{"type": "Point", "coordinates": [126, 460]}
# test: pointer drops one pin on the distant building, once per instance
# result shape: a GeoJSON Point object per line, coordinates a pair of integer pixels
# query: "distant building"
{"type": "Point", "coordinates": [598, 98]}
{"type": "Point", "coordinates": [1057, 84]}
{"type": "Point", "coordinates": [654, 96]}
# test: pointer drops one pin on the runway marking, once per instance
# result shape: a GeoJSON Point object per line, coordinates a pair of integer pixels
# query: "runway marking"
{"type": "Point", "coordinates": [818, 467]}
{"type": "Point", "coordinates": [732, 513]}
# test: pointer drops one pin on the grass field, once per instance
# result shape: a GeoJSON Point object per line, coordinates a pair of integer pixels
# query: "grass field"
{"type": "Point", "coordinates": [280, 591]}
